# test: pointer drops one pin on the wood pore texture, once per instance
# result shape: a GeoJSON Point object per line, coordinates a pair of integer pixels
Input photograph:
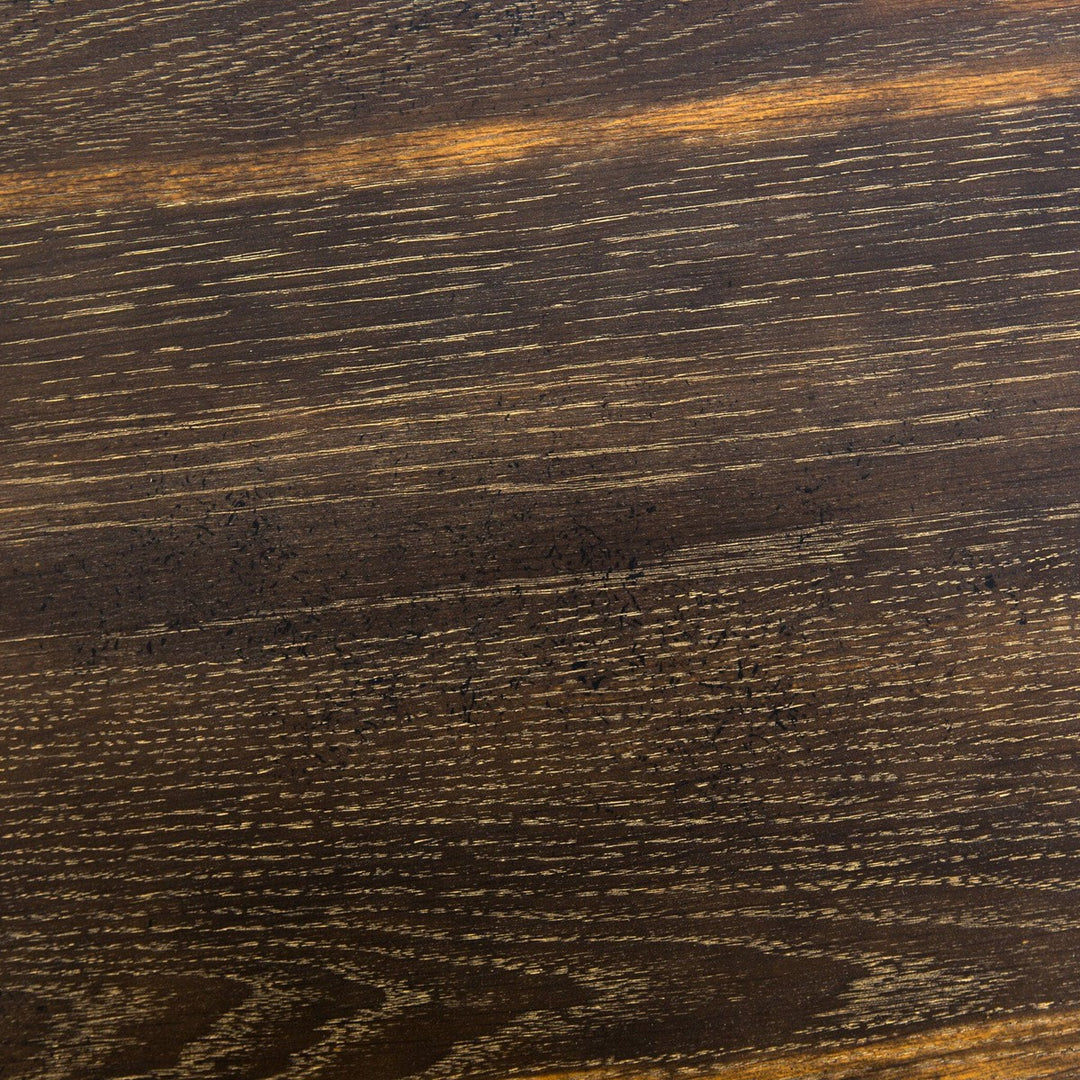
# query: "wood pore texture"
{"type": "Point", "coordinates": [539, 538]}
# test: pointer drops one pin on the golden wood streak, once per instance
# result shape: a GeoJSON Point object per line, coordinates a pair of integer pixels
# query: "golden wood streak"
{"type": "Point", "coordinates": [1028, 1048]}
{"type": "Point", "coordinates": [791, 107]}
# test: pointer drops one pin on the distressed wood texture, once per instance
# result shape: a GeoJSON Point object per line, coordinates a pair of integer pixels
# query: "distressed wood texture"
{"type": "Point", "coordinates": [539, 539]}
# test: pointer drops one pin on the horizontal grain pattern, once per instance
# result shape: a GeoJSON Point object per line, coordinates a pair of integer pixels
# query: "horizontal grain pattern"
{"type": "Point", "coordinates": [157, 76]}
{"type": "Point", "coordinates": [609, 613]}
{"type": "Point", "coordinates": [763, 111]}
{"type": "Point", "coordinates": [1037, 1048]}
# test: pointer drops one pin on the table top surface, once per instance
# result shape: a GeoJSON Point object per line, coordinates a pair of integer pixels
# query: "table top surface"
{"type": "Point", "coordinates": [539, 539]}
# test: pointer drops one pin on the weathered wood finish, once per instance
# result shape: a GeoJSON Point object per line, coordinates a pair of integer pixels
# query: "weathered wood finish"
{"type": "Point", "coordinates": [539, 539]}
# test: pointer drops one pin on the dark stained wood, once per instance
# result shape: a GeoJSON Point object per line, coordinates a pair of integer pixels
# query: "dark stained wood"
{"type": "Point", "coordinates": [539, 539]}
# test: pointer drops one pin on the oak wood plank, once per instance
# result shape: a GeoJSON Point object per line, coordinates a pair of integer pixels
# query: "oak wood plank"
{"type": "Point", "coordinates": [539, 540]}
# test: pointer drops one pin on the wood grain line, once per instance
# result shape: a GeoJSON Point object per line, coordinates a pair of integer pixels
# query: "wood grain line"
{"type": "Point", "coordinates": [788, 107]}
{"type": "Point", "coordinates": [1053, 7]}
{"type": "Point", "coordinates": [1031, 1047]}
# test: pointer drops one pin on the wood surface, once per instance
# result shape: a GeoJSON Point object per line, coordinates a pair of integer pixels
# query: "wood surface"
{"type": "Point", "coordinates": [539, 539]}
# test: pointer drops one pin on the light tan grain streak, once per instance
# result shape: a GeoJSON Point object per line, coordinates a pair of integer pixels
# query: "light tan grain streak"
{"type": "Point", "coordinates": [777, 109]}
{"type": "Point", "coordinates": [1025, 1048]}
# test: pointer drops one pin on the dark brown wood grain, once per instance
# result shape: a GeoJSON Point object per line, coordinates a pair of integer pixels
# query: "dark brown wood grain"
{"type": "Point", "coordinates": [539, 539]}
